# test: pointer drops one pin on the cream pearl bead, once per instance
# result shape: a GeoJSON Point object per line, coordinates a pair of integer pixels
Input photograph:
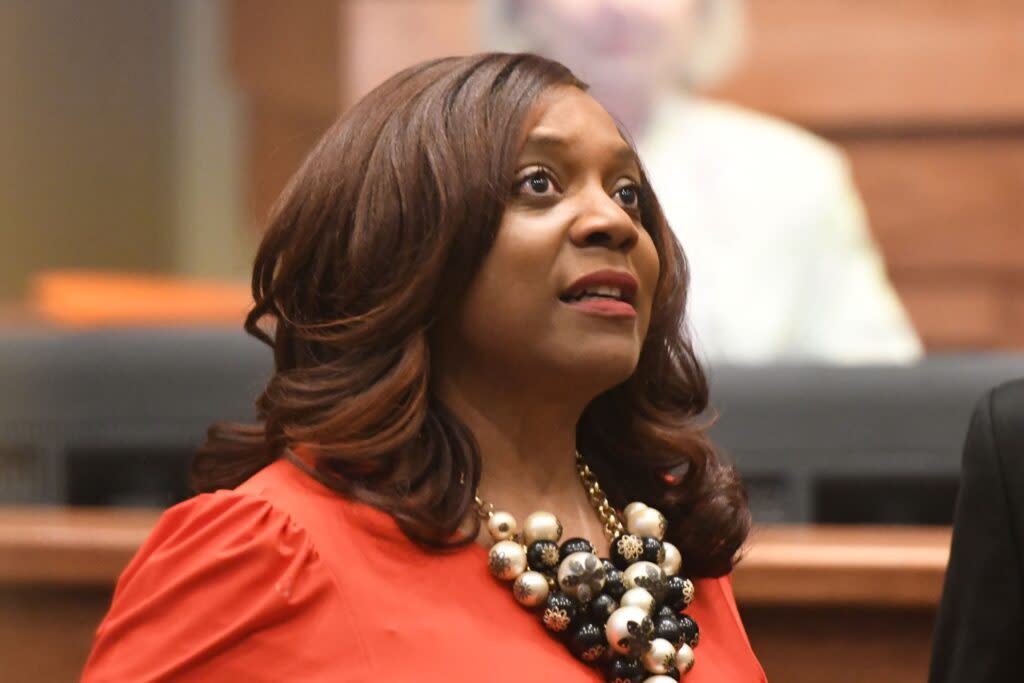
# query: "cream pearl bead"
{"type": "Point", "coordinates": [638, 597]}
{"type": "Point", "coordinates": [659, 679]}
{"type": "Point", "coordinates": [684, 658]}
{"type": "Point", "coordinates": [581, 575]}
{"type": "Point", "coordinates": [616, 629]}
{"type": "Point", "coordinates": [501, 526]}
{"type": "Point", "coordinates": [673, 559]}
{"type": "Point", "coordinates": [647, 522]}
{"type": "Point", "coordinates": [507, 560]}
{"type": "Point", "coordinates": [660, 657]}
{"type": "Point", "coordinates": [642, 570]}
{"type": "Point", "coordinates": [531, 589]}
{"type": "Point", "coordinates": [542, 526]}
{"type": "Point", "coordinates": [628, 511]}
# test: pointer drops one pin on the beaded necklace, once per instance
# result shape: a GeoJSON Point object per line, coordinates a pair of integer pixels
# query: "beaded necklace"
{"type": "Point", "coordinates": [622, 614]}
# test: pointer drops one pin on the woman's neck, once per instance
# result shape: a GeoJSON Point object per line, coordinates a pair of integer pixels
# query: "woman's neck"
{"type": "Point", "coordinates": [527, 441]}
{"type": "Point", "coordinates": [527, 444]}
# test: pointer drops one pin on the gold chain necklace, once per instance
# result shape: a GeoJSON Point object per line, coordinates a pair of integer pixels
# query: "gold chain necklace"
{"type": "Point", "coordinates": [613, 527]}
{"type": "Point", "coordinates": [623, 614]}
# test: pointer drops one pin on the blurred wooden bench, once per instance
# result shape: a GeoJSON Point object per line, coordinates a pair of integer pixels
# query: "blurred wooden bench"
{"type": "Point", "coordinates": [820, 603]}
{"type": "Point", "coordinates": [842, 604]}
{"type": "Point", "coordinates": [57, 570]}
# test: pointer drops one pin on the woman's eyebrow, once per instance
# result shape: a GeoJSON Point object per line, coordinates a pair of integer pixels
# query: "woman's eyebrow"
{"type": "Point", "coordinates": [545, 141]}
{"type": "Point", "coordinates": [539, 142]}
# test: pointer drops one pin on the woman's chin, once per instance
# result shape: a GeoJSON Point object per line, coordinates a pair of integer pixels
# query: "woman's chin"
{"type": "Point", "coordinates": [601, 368]}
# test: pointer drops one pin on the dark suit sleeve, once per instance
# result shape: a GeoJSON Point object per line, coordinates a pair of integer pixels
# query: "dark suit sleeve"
{"type": "Point", "coordinates": [979, 632]}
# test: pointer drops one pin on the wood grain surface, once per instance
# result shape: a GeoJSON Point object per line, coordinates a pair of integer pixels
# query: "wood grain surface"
{"type": "Point", "coordinates": [842, 604]}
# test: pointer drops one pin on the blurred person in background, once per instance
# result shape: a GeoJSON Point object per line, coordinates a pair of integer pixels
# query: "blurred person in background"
{"type": "Point", "coordinates": [784, 268]}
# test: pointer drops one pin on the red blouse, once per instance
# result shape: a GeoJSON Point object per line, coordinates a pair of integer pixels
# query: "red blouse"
{"type": "Point", "coordinates": [283, 580]}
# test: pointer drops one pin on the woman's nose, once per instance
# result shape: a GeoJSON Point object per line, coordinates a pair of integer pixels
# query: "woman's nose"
{"type": "Point", "coordinates": [603, 223]}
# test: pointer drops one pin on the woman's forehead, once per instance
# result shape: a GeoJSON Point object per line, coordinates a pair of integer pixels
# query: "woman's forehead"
{"type": "Point", "coordinates": [567, 118]}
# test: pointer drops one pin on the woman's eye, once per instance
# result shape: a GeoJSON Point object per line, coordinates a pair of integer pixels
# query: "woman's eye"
{"type": "Point", "coordinates": [628, 196]}
{"type": "Point", "coordinates": [537, 183]}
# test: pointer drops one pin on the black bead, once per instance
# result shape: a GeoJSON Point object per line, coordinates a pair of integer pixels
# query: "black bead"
{"type": "Point", "coordinates": [673, 673]}
{"type": "Point", "coordinates": [674, 593]}
{"type": "Point", "coordinates": [559, 611]}
{"type": "Point", "coordinates": [575, 545]}
{"type": "Point", "coordinates": [665, 611]}
{"type": "Point", "coordinates": [601, 607]}
{"type": "Point", "coordinates": [670, 629]}
{"type": "Point", "coordinates": [588, 642]}
{"type": "Point", "coordinates": [654, 551]}
{"type": "Point", "coordinates": [613, 585]}
{"type": "Point", "coordinates": [625, 670]}
{"type": "Point", "coordinates": [691, 632]}
{"type": "Point", "coordinates": [542, 556]}
{"type": "Point", "coordinates": [626, 549]}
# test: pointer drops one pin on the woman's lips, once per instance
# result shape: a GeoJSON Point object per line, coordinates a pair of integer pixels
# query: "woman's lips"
{"type": "Point", "coordinates": [605, 308]}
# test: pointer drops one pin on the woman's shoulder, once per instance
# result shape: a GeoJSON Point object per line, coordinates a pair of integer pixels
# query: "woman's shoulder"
{"type": "Point", "coordinates": [216, 569]}
{"type": "Point", "coordinates": [266, 516]}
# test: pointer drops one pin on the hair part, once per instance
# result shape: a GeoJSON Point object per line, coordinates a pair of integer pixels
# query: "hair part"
{"type": "Point", "coordinates": [376, 237]}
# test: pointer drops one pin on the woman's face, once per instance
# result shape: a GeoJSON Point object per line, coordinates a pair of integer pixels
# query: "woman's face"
{"type": "Point", "coordinates": [565, 292]}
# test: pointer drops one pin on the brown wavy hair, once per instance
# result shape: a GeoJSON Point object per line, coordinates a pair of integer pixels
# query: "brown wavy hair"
{"type": "Point", "coordinates": [376, 237]}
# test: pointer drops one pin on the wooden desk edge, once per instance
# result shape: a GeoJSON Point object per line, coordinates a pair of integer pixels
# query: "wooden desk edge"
{"type": "Point", "coordinates": [782, 565]}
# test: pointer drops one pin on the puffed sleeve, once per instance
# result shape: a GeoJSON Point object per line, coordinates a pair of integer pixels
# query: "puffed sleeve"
{"type": "Point", "coordinates": [226, 588]}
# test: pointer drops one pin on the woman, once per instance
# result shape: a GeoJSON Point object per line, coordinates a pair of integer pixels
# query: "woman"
{"type": "Point", "coordinates": [468, 280]}
{"type": "Point", "coordinates": [773, 225]}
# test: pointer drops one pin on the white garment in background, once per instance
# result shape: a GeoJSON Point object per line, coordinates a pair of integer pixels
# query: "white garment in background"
{"type": "Point", "coordinates": [782, 263]}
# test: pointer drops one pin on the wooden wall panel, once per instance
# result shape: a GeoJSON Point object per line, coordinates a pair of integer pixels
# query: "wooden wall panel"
{"type": "Point", "coordinates": [301, 64]}
{"type": "Point", "coordinates": [948, 211]}
{"type": "Point", "coordinates": [945, 202]}
{"type": "Point", "coordinates": [925, 97]}
{"type": "Point", "coordinates": [958, 313]}
{"type": "Point", "coordinates": [837, 63]}
{"type": "Point", "coordinates": [381, 38]}
{"type": "Point", "coordinates": [1013, 335]}
{"type": "Point", "coordinates": [278, 139]}
{"type": "Point", "coordinates": [287, 52]}
{"type": "Point", "coordinates": [284, 57]}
